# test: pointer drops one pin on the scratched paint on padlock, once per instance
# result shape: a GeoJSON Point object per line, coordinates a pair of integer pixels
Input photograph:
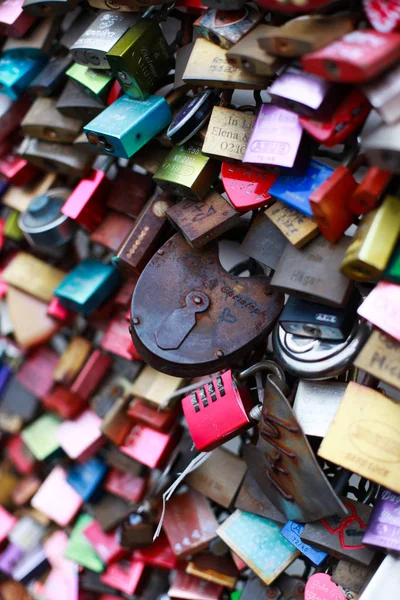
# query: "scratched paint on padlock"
{"type": "Point", "coordinates": [259, 543]}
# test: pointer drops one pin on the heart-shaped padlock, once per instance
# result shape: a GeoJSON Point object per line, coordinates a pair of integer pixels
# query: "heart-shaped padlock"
{"type": "Point", "coordinates": [190, 317]}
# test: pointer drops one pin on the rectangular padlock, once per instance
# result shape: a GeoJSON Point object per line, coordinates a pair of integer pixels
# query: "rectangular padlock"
{"type": "Point", "coordinates": [188, 586]}
{"type": "Point", "coordinates": [295, 226]}
{"type": "Point", "coordinates": [124, 575]}
{"type": "Point", "coordinates": [89, 284]}
{"type": "Point", "coordinates": [150, 447]}
{"type": "Point", "coordinates": [366, 258]}
{"type": "Point", "coordinates": [91, 48]}
{"type": "Point", "coordinates": [220, 403]}
{"type": "Point", "coordinates": [51, 78]}
{"type": "Point", "coordinates": [40, 436]}
{"type": "Point", "coordinates": [72, 360]}
{"type": "Point", "coordinates": [44, 122]}
{"type": "Point", "coordinates": [357, 57]}
{"type": "Point", "coordinates": [305, 34]}
{"type": "Point", "coordinates": [227, 28]}
{"type": "Point", "coordinates": [63, 402]}
{"type": "Point", "coordinates": [369, 191]}
{"type": "Point", "coordinates": [117, 339]}
{"type": "Point", "coordinates": [104, 544]}
{"type": "Point", "coordinates": [127, 125]}
{"type": "Point", "coordinates": [291, 531]}
{"type": "Point", "coordinates": [17, 73]}
{"type": "Point", "coordinates": [65, 159]}
{"type": "Point", "coordinates": [148, 235]}
{"type": "Point", "coordinates": [305, 94]}
{"type": "Point", "coordinates": [228, 134]}
{"type": "Point", "coordinates": [244, 532]}
{"type": "Point", "coordinates": [313, 272]}
{"type": "Point", "coordinates": [94, 82]}
{"type": "Point", "coordinates": [79, 549]}
{"type": "Point", "coordinates": [379, 357]}
{"type": "Point", "coordinates": [81, 438]}
{"type": "Point", "coordinates": [295, 190]}
{"type": "Point", "coordinates": [86, 204]}
{"type": "Point", "coordinates": [384, 524]}
{"type": "Point", "coordinates": [202, 221]}
{"type": "Point", "coordinates": [142, 412]}
{"type": "Point", "coordinates": [264, 242]}
{"type": "Point", "coordinates": [189, 523]}
{"type": "Point", "coordinates": [187, 171]}
{"type": "Point", "coordinates": [381, 147]}
{"type": "Point", "coordinates": [277, 141]}
{"type": "Point", "coordinates": [349, 436]}
{"type": "Point", "coordinates": [310, 319]}
{"type": "Point", "coordinates": [46, 8]}
{"type": "Point", "coordinates": [56, 499]}
{"type": "Point", "coordinates": [380, 308]}
{"type": "Point", "coordinates": [140, 59]}
{"type": "Point", "coordinates": [347, 118]}
{"type": "Point", "coordinates": [16, 170]}
{"type": "Point", "coordinates": [33, 276]}
{"type": "Point", "coordinates": [113, 230]}
{"type": "Point", "coordinates": [220, 570]}
{"type": "Point", "coordinates": [156, 388]}
{"type": "Point", "coordinates": [36, 43]}
{"type": "Point", "coordinates": [315, 405]}
{"type": "Point", "coordinates": [208, 65]}
{"type": "Point", "coordinates": [76, 103]}
{"type": "Point", "coordinates": [129, 192]}
{"type": "Point", "coordinates": [86, 478]}
{"type": "Point", "coordinates": [248, 56]}
{"type": "Point", "coordinates": [14, 21]}
{"type": "Point", "coordinates": [126, 485]}
{"type": "Point", "coordinates": [384, 95]}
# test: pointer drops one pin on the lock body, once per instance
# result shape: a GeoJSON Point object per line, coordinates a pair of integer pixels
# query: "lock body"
{"type": "Point", "coordinates": [305, 34]}
{"type": "Point", "coordinates": [216, 412]}
{"type": "Point", "coordinates": [91, 48]}
{"type": "Point", "coordinates": [298, 229]}
{"type": "Point", "coordinates": [358, 57]}
{"type": "Point", "coordinates": [246, 54]}
{"type": "Point", "coordinates": [187, 171]}
{"type": "Point", "coordinates": [226, 28]}
{"type": "Point", "coordinates": [68, 160]}
{"type": "Point", "coordinates": [51, 77]}
{"type": "Point", "coordinates": [14, 21]}
{"type": "Point", "coordinates": [140, 59]}
{"type": "Point", "coordinates": [76, 103]}
{"type": "Point", "coordinates": [384, 95]}
{"type": "Point", "coordinates": [44, 122]}
{"type": "Point", "coordinates": [246, 188]}
{"type": "Point", "coordinates": [369, 191]}
{"type": "Point", "coordinates": [366, 258]}
{"type": "Point", "coordinates": [86, 204]}
{"type": "Point", "coordinates": [381, 147]}
{"type": "Point", "coordinates": [47, 8]}
{"type": "Point", "coordinates": [17, 73]}
{"type": "Point", "coordinates": [87, 286]}
{"type": "Point", "coordinates": [127, 125]}
{"type": "Point", "coordinates": [228, 134]}
{"type": "Point", "coordinates": [94, 82]}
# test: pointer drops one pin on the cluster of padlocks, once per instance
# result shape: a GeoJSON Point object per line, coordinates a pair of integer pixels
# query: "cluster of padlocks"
{"type": "Point", "coordinates": [199, 294]}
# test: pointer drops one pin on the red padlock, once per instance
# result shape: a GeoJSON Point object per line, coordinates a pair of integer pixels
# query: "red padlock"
{"type": "Point", "coordinates": [217, 412]}
{"type": "Point", "coordinates": [347, 118]}
{"type": "Point", "coordinates": [357, 57]}
{"type": "Point", "coordinates": [87, 203]}
{"type": "Point", "coordinates": [368, 193]}
{"type": "Point", "coordinates": [384, 15]}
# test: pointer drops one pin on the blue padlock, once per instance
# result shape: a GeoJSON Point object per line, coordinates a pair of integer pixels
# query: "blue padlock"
{"type": "Point", "coordinates": [17, 73]}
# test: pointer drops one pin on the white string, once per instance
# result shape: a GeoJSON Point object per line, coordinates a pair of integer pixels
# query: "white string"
{"type": "Point", "coordinates": [192, 466]}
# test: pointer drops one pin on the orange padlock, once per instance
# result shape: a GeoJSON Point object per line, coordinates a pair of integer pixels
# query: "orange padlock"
{"type": "Point", "coordinates": [368, 193]}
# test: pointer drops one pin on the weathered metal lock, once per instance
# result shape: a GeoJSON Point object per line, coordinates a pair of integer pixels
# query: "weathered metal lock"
{"type": "Point", "coordinates": [247, 54]}
{"type": "Point", "coordinates": [192, 116]}
{"type": "Point", "coordinates": [74, 102]}
{"type": "Point", "coordinates": [191, 332]}
{"type": "Point", "coordinates": [312, 320]}
{"type": "Point", "coordinates": [295, 226]}
{"type": "Point", "coordinates": [218, 411]}
{"type": "Point", "coordinates": [91, 48]}
{"type": "Point", "coordinates": [264, 242]}
{"type": "Point", "coordinates": [208, 65]}
{"type": "Point", "coordinates": [187, 171]}
{"type": "Point", "coordinates": [140, 59]}
{"type": "Point", "coordinates": [283, 463]}
{"type": "Point", "coordinates": [127, 125]}
{"type": "Point", "coordinates": [17, 73]}
{"type": "Point", "coordinates": [95, 83]}
{"type": "Point", "coordinates": [346, 119]}
{"type": "Point", "coordinates": [366, 258]}
{"type": "Point", "coordinates": [147, 236]}
{"type": "Point", "coordinates": [43, 224]}
{"type": "Point", "coordinates": [305, 94]}
{"type": "Point", "coordinates": [305, 34]}
{"type": "Point", "coordinates": [358, 57]}
{"type": "Point", "coordinates": [51, 77]}
{"type": "Point", "coordinates": [277, 141]}
{"type": "Point", "coordinates": [202, 221]}
{"type": "Point", "coordinates": [44, 122]}
{"type": "Point", "coordinates": [48, 8]}
{"type": "Point", "coordinates": [312, 273]}
{"type": "Point", "coordinates": [246, 188]}
{"type": "Point", "coordinates": [228, 134]}
{"type": "Point", "coordinates": [14, 21]}
{"type": "Point", "coordinates": [35, 43]}
{"type": "Point", "coordinates": [65, 159]}
{"type": "Point", "coordinates": [226, 28]}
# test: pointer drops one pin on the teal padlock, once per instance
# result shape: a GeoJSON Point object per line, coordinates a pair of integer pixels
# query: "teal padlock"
{"type": "Point", "coordinates": [127, 125]}
{"type": "Point", "coordinates": [17, 73]}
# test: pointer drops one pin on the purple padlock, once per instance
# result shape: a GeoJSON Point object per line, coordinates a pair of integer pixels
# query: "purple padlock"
{"type": "Point", "coordinates": [383, 528]}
